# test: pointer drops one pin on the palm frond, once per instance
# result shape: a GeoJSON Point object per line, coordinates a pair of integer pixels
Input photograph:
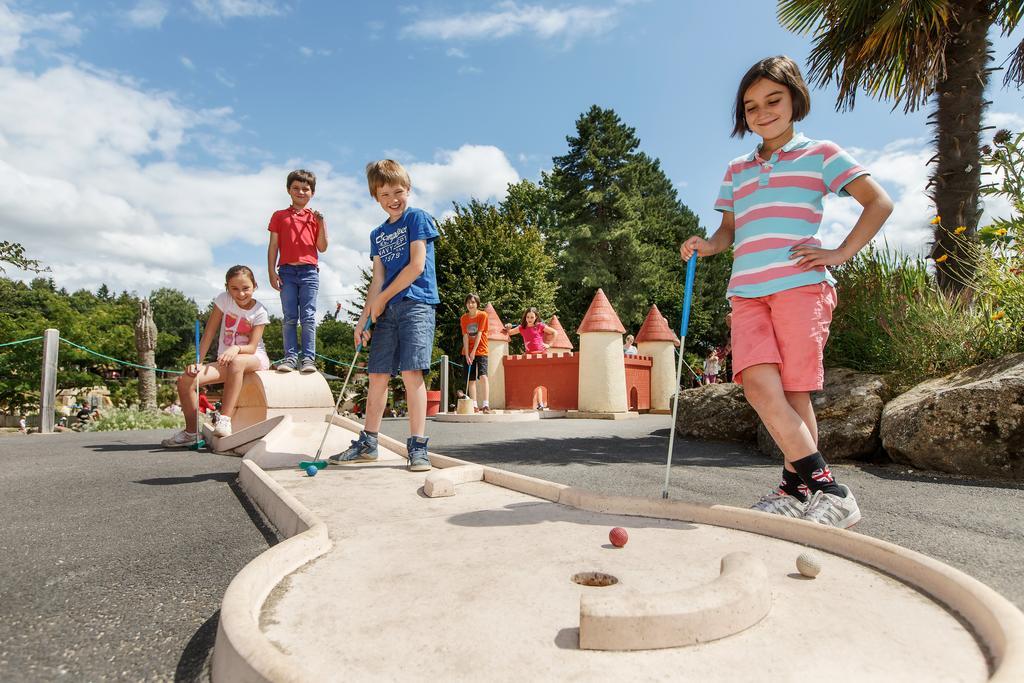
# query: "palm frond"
{"type": "Point", "coordinates": [1015, 67]}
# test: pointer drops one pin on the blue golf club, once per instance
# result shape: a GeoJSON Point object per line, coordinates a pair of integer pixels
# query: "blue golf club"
{"type": "Point", "coordinates": [691, 269]}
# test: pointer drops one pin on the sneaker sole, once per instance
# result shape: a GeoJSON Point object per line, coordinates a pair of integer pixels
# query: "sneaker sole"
{"type": "Point", "coordinates": [420, 468]}
{"type": "Point", "coordinates": [178, 445]}
{"type": "Point", "coordinates": [354, 460]}
{"type": "Point", "coordinates": [307, 371]}
{"type": "Point", "coordinates": [281, 368]}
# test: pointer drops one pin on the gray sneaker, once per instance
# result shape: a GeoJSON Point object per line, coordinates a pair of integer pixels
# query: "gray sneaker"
{"type": "Point", "coordinates": [419, 458]}
{"type": "Point", "coordinates": [307, 366]}
{"type": "Point", "coordinates": [830, 510]}
{"type": "Point", "coordinates": [363, 449]}
{"type": "Point", "coordinates": [779, 503]}
{"type": "Point", "coordinates": [287, 365]}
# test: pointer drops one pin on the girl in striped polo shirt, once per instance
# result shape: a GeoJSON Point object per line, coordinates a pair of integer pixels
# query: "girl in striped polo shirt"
{"type": "Point", "coordinates": [781, 292]}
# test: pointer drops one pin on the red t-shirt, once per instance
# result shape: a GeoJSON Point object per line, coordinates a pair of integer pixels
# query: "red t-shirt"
{"type": "Point", "coordinates": [296, 235]}
{"type": "Point", "coordinates": [474, 326]}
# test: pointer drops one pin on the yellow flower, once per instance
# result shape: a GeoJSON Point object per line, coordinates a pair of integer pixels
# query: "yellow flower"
{"type": "Point", "coordinates": [942, 258]}
{"type": "Point", "coordinates": [998, 315]}
{"type": "Point", "coordinates": [937, 219]}
{"type": "Point", "coordinates": [961, 230]}
{"type": "Point", "coordinates": [1001, 232]}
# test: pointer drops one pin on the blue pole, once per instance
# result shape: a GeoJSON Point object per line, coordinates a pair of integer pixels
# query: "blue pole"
{"type": "Point", "coordinates": [684, 324]}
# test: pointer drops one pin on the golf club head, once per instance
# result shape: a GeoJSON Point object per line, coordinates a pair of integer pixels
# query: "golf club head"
{"type": "Point", "coordinates": [201, 443]}
{"type": "Point", "coordinates": [319, 464]}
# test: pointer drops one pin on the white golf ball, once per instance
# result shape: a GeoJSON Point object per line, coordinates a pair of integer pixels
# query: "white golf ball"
{"type": "Point", "coordinates": [808, 564]}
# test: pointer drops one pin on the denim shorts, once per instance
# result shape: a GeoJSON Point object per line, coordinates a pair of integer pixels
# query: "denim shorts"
{"type": "Point", "coordinates": [402, 338]}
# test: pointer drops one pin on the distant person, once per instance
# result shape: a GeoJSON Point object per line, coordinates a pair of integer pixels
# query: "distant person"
{"type": "Point", "coordinates": [534, 332]}
{"type": "Point", "coordinates": [781, 292]}
{"type": "Point", "coordinates": [84, 415]}
{"type": "Point", "coordinates": [711, 368]}
{"type": "Point", "coordinates": [296, 235]}
{"type": "Point", "coordinates": [474, 350]}
{"type": "Point", "coordinates": [204, 402]}
{"type": "Point", "coordinates": [629, 348]}
{"type": "Point", "coordinates": [401, 301]}
{"type": "Point", "coordinates": [237, 321]}
{"type": "Point", "coordinates": [23, 424]}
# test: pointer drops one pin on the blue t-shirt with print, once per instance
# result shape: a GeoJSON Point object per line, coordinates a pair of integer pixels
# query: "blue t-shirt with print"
{"type": "Point", "coordinates": [390, 241]}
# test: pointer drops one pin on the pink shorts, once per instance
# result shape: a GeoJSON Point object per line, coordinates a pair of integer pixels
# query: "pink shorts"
{"type": "Point", "coordinates": [789, 329]}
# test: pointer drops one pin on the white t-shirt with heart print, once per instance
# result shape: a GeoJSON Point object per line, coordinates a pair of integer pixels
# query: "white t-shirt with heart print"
{"type": "Point", "coordinates": [237, 324]}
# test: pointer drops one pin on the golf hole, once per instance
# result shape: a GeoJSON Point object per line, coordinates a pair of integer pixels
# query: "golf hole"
{"type": "Point", "coordinates": [594, 579]}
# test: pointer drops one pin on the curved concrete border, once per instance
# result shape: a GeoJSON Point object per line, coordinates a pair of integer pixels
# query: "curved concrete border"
{"type": "Point", "coordinates": [243, 653]}
{"type": "Point", "coordinates": [517, 416]}
{"type": "Point", "coordinates": [739, 598]}
{"type": "Point", "coordinates": [442, 482]}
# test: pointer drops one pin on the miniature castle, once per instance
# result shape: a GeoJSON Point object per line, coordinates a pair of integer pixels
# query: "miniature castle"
{"type": "Point", "coordinates": [599, 380]}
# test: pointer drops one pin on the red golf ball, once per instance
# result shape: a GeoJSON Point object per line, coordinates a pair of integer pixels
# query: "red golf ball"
{"type": "Point", "coordinates": [618, 537]}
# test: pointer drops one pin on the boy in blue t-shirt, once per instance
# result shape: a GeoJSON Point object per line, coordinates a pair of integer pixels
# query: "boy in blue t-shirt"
{"type": "Point", "coordinates": [401, 302]}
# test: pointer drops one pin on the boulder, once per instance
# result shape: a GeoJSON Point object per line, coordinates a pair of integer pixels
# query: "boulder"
{"type": "Point", "coordinates": [969, 423]}
{"type": "Point", "coordinates": [848, 410]}
{"type": "Point", "coordinates": [716, 411]}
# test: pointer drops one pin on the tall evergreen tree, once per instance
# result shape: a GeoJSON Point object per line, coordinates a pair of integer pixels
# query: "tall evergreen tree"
{"type": "Point", "coordinates": [616, 224]}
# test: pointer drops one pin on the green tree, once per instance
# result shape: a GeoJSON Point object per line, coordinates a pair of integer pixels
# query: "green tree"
{"type": "Point", "coordinates": [14, 254]}
{"type": "Point", "coordinates": [614, 221]}
{"type": "Point", "coordinates": [912, 53]}
{"type": "Point", "coordinates": [487, 250]}
{"type": "Point", "coordinates": [175, 315]}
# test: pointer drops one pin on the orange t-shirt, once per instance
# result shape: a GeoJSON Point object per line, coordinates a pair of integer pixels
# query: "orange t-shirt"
{"type": "Point", "coordinates": [475, 325]}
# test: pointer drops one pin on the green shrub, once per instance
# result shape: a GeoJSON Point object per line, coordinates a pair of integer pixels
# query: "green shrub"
{"type": "Point", "coordinates": [120, 419]}
{"type": "Point", "coordinates": [892, 317]}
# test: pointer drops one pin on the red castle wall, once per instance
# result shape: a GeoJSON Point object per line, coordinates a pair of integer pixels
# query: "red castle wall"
{"type": "Point", "coordinates": [559, 375]}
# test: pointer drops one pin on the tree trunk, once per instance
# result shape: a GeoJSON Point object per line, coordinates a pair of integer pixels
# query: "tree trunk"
{"type": "Point", "coordinates": [145, 345]}
{"type": "Point", "coordinates": [960, 101]}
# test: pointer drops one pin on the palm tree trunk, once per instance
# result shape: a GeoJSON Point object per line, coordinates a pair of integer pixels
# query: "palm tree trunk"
{"type": "Point", "coordinates": [960, 101]}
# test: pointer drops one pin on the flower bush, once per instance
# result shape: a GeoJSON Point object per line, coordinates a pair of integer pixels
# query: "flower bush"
{"type": "Point", "coordinates": [893, 319]}
{"type": "Point", "coordinates": [118, 419]}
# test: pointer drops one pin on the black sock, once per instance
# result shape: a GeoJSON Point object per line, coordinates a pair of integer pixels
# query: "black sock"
{"type": "Point", "coordinates": [793, 485]}
{"type": "Point", "coordinates": [815, 473]}
{"type": "Point", "coordinates": [373, 434]}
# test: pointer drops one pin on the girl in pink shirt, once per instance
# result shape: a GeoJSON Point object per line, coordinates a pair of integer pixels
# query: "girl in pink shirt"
{"type": "Point", "coordinates": [533, 331]}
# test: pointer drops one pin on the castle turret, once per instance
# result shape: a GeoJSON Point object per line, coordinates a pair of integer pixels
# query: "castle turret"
{"type": "Point", "coordinates": [560, 344]}
{"type": "Point", "coordinates": [602, 378]}
{"type": "Point", "coordinates": [497, 349]}
{"type": "Point", "coordinates": [657, 340]}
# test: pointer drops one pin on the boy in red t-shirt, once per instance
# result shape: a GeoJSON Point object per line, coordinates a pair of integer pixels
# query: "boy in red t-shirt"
{"type": "Point", "coordinates": [474, 349]}
{"type": "Point", "coordinates": [296, 235]}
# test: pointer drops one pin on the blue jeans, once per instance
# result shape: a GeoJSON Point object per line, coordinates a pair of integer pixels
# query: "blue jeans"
{"type": "Point", "coordinates": [299, 285]}
{"type": "Point", "coordinates": [403, 338]}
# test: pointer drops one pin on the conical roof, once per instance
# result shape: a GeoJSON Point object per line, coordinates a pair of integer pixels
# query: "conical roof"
{"type": "Point", "coordinates": [495, 328]}
{"type": "Point", "coordinates": [561, 341]}
{"type": "Point", "coordinates": [601, 317]}
{"type": "Point", "coordinates": [655, 328]}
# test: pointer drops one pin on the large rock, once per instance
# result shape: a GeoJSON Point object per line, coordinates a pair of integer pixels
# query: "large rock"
{"type": "Point", "coordinates": [716, 411]}
{"type": "Point", "coordinates": [970, 422]}
{"type": "Point", "coordinates": [848, 409]}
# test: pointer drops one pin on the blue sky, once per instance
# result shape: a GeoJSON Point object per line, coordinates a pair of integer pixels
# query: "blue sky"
{"type": "Point", "coordinates": [147, 141]}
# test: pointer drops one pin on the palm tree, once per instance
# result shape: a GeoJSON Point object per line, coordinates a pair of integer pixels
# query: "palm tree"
{"type": "Point", "coordinates": [908, 51]}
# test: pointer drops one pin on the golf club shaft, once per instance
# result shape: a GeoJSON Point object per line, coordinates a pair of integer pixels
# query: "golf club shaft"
{"type": "Point", "coordinates": [341, 394]}
{"type": "Point", "coordinates": [199, 429]}
{"type": "Point", "coordinates": [684, 324]}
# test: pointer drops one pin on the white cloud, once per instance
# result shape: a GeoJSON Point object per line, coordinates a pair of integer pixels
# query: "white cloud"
{"type": "Point", "coordinates": [1003, 119]}
{"type": "Point", "coordinates": [219, 10]}
{"type": "Point", "coordinates": [510, 18]}
{"type": "Point", "coordinates": [469, 70]}
{"type": "Point", "coordinates": [44, 30]}
{"type": "Point", "coordinates": [901, 168]}
{"type": "Point", "coordinates": [147, 14]}
{"type": "Point", "coordinates": [455, 52]}
{"type": "Point", "coordinates": [99, 184]}
{"type": "Point", "coordinates": [480, 171]}
{"type": "Point", "coordinates": [187, 63]}
{"type": "Point", "coordinates": [223, 78]}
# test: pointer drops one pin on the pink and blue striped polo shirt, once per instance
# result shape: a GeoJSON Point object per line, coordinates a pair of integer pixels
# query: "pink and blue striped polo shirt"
{"type": "Point", "coordinates": [777, 204]}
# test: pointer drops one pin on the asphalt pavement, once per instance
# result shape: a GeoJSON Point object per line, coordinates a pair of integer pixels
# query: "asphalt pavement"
{"type": "Point", "coordinates": [975, 526]}
{"type": "Point", "coordinates": [115, 555]}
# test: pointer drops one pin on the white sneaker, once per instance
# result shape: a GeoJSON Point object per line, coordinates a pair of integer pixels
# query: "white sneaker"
{"type": "Point", "coordinates": [830, 510]}
{"type": "Point", "coordinates": [779, 503]}
{"type": "Point", "coordinates": [182, 439]}
{"type": "Point", "coordinates": [223, 427]}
